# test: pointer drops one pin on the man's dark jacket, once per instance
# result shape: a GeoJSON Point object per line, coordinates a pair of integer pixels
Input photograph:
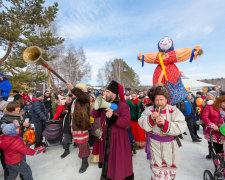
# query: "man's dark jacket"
{"type": "Point", "coordinates": [38, 111]}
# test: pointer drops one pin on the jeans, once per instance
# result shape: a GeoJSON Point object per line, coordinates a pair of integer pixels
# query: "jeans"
{"type": "Point", "coordinates": [23, 168]}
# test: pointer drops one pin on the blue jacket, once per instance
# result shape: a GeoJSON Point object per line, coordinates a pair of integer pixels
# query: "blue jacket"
{"type": "Point", "coordinates": [5, 86]}
{"type": "Point", "coordinates": [38, 111]}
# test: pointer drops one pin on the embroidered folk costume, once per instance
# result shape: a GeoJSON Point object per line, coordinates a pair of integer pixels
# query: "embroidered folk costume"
{"type": "Point", "coordinates": [161, 142]}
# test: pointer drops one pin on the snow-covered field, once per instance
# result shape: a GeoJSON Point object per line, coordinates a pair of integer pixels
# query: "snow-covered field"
{"type": "Point", "coordinates": [49, 165]}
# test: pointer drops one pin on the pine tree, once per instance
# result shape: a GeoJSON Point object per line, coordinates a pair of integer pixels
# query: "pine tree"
{"type": "Point", "coordinates": [25, 23]}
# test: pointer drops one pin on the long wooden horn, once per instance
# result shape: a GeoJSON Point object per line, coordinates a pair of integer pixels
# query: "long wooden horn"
{"type": "Point", "coordinates": [33, 54]}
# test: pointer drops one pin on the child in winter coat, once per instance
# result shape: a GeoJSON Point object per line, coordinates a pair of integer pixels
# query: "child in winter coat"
{"type": "Point", "coordinates": [14, 150]}
{"type": "Point", "coordinates": [28, 111]}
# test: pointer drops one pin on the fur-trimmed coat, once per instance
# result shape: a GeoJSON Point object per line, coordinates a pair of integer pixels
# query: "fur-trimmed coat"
{"type": "Point", "coordinates": [115, 145]}
{"type": "Point", "coordinates": [9, 117]}
{"type": "Point", "coordinates": [81, 114]}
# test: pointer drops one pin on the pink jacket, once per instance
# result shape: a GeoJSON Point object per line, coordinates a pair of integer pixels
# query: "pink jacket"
{"type": "Point", "coordinates": [210, 116]}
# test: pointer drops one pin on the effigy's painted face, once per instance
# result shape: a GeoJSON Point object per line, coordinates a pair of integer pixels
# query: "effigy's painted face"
{"type": "Point", "coordinates": [165, 43]}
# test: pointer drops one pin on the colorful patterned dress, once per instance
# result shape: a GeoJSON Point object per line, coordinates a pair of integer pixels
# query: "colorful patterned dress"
{"type": "Point", "coordinates": [135, 111]}
{"type": "Point", "coordinates": [174, 56]}
{"type": "Point", "coordinates": [161, 147]}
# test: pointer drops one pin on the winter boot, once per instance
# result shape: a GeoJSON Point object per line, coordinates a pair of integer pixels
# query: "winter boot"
{"type": "Point", "coordinates": [84, 165]}
{"type": "Point", "coordinates": [66, 152]}
{"type": "Point", "coordinates": [66, 148]}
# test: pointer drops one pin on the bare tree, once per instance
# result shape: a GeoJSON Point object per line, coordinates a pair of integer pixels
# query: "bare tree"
{"type": "Point", "coordinates": [74, 66]}
{"type": "Point", "coordinates": [100, 76]}
{"type": "Point", "coordinates": [118, 70]}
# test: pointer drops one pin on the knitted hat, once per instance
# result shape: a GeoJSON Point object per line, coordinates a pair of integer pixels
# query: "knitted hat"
{"type": "Point", "coordinates": [3, 104]}
{"type": "Point", "coordinates": [213, 93]}
{"type": "Point", "coordinates": [82, 86]}
{"type": "Point", "coordinates": [117, 89]}
{"type": "Point", "coordinates": [38, 94]}
{"type": "Point", "coordinates": [9, 129]}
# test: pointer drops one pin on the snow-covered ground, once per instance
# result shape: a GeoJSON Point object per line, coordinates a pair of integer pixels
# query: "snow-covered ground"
{"type": "Point", "coordinates": [49, 165]}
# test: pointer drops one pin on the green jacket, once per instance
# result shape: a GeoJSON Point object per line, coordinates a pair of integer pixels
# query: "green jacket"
{"type": "Point", "coordinates": [135, 110]}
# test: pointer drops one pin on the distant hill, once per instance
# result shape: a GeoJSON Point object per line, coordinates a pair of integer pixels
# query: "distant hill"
{"type": "Point", "coordinates": [218, 81]}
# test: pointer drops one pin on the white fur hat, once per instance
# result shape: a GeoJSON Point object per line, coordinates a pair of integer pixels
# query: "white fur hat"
{"type": "Point", "coordinates": [82, 86]}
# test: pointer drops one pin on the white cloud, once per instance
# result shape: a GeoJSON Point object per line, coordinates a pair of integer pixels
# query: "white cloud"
{"type": "Point", "coordinates": [208, 29]}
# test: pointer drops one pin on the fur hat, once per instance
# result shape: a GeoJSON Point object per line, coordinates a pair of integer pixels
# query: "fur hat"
{"type": "Point", "coordinates": [3, 105]}
{"type": "Point", "coordinates": [9, 129]}
{"type": "Point", "coordinates": [82, 86]}
{"type": "Point", "coordinates": [117, 89]}
{"type": "Point", "coordinates": [113, 87]}
{"type": "Point", "coordinates": [159, 89]}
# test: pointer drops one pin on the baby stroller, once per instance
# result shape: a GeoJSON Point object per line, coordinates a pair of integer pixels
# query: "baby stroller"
{"type": "Point", "coordinates": [219, 163]}
{"type": "Point", "coordinates": [53, 133]}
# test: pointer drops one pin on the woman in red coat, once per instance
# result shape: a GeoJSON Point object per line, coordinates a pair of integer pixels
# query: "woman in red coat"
{"type": "Point", "coordinates": [212, 118]}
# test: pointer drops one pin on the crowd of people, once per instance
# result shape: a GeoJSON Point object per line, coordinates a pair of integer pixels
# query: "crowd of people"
{"type": "Point", "coordinates": [143, 119]}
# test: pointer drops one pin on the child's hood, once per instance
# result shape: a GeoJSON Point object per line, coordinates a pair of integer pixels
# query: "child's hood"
{"type": "Point", "coordinates": [6, 141]}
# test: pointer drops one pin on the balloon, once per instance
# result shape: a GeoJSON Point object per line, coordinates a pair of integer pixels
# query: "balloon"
{"type": "Point", "coordinates": [199, 110]}
{"type": "Point", "coordinates": [222, 129]}
{"type": "Point", "coordinates": [199, 101]}
{"type": "Point", "coordinates": [29, 136]}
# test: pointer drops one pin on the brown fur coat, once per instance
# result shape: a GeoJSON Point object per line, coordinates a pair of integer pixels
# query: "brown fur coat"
{"type": "Point", "coordinates": [81, 115]}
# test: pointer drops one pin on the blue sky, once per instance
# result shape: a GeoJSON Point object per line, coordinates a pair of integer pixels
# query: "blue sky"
{"type": "Point", "coordinates": [108, 29]}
